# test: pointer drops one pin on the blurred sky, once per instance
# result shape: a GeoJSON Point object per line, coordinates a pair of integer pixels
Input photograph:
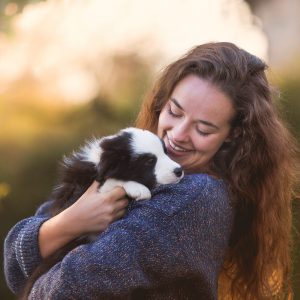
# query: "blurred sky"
{"type": "Point", "coordinates": [68, 42]}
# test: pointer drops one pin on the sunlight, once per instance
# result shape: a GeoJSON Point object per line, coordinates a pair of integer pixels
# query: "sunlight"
{"type": "Point", "coordinates": [68, 42]}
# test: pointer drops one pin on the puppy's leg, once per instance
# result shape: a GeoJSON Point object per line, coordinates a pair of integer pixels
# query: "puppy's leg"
{"type": "Point", "coordinates": [136, 190]}
{"type": "Point", "coordinates": [133, 189]}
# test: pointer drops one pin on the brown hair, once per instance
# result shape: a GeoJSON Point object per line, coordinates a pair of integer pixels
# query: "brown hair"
{"type": "Point", "coordinates": [258, 165]}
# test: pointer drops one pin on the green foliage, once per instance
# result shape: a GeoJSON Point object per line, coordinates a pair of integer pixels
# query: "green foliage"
{"type": "Point", "coordinates": [290, 90]}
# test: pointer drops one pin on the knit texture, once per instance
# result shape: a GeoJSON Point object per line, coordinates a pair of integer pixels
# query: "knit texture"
{"type": "Point", "coordinates": [169, 247]}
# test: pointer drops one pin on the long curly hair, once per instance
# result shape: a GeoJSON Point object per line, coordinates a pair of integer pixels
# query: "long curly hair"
{"type": "Point", "coordinates": [258, 164]}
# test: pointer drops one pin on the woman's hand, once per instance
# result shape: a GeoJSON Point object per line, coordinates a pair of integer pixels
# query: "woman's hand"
{"type": "Point", "coordinates": [94, 211]}
{"type": "Point", "coordinates": [91, 213]}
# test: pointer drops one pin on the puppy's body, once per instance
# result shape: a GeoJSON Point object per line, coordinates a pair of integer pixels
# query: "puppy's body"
{"type": "Point", "coordinates": [134, 159]}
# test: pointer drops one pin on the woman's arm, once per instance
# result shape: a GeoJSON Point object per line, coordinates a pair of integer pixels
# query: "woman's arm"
{"type": "Point", "coordinates": [21, 251]}
{"type": "Point", "coordinates": [36, 237]}
{"type": "Point", "coordinates": [91, 213]}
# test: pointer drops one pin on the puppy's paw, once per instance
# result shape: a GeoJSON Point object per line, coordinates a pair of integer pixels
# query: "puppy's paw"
{"type": "Point", "coordinates": [136, 190]}
{"type": "Point", "coordinates": [110, 184]}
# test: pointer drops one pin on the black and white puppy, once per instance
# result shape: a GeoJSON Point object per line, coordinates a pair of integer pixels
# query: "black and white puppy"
{"type": "Point", "coordinates": [134, 159]}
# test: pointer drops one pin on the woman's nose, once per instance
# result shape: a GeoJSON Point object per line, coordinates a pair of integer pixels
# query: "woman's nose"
{"type": "Point", "coordinates": [180, 133]}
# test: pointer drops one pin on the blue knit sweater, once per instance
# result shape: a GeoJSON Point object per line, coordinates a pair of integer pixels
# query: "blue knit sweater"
{"type": "Point", "coordinates": [169, 247]}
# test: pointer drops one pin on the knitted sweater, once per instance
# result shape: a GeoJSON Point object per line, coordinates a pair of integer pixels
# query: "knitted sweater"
{"type": "Point", "coordinates": [169, 247]}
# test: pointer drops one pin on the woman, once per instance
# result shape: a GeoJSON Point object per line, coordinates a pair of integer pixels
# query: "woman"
{"type": "Point", "coordinates": [228, 220]}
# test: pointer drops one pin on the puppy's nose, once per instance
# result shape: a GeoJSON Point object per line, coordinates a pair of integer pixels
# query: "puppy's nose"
{"type": "Point", "coordinates": [178, 172]}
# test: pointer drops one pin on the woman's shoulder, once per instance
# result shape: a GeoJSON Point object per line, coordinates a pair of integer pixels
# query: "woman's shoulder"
{"type": "Point", "coordinates": [194, 190]}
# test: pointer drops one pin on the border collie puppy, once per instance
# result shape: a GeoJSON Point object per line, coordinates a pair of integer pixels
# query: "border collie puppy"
{"type": "Point", "coordinates": [134, 159]}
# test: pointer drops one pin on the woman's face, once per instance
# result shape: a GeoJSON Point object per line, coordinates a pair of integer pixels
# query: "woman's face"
{"type": "Point", "coordinates": [195, 122]}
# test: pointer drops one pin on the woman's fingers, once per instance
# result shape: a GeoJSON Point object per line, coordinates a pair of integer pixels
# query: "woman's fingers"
{"type": "Point", "coordinates": [117, 193]}
{"type": "Point", "coordinates": [121, 204]}
{"type": "Point", "coordinates": [120, 214]}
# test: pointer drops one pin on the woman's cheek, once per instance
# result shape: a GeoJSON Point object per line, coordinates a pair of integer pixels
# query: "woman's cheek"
{"type": "Point", "coordinates": [209, 144]}
{"type": "Point", "coordinates": [164, 120]}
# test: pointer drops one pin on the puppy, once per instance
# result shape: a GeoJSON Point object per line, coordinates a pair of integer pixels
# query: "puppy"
{"type": "Point", "coordinates": [134, 159]}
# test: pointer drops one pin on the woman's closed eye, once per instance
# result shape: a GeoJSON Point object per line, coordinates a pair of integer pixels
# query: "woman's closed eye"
{"type": "Point", "coordinates": [203, 133]}
{"type": "Point", "coordinates": [173, 114]}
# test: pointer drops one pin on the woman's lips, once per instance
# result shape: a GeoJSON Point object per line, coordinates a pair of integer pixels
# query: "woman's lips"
{"type": "Point", "coordinates": [174, 149]}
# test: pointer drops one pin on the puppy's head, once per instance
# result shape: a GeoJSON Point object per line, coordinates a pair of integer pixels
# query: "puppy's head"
{"type": "Point", "coordinates": [136, 155]}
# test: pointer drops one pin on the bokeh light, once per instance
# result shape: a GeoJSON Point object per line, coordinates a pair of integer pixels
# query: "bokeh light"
{"type": "Point", "coordinates": [69, 43]}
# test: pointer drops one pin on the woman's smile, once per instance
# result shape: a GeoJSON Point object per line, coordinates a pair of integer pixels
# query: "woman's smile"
{"type": "Point", "coordinates": [174, 148]}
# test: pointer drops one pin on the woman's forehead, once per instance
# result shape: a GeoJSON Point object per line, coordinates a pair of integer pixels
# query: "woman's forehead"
{"type": "Point", "coordinates": [202, 100]}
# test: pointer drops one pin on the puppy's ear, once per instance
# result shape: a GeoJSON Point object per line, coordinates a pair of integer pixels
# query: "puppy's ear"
{"type": "Point", "coordinates": [119, 142]}
{"type": "Point", "coordinates": [114, 156]}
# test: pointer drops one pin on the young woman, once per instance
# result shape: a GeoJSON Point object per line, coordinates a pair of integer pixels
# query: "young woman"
{"type": "Point", "coordinates": [228, 221]}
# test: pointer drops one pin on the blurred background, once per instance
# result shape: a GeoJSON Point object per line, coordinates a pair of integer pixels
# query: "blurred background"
{"type": "Point", "coordinates": [73, 69]}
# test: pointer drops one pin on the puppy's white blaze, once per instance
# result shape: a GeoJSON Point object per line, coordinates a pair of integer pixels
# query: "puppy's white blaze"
{"type": "Point", "coordinates": [164, 170]}
{"type": "Point", "coordinates": [145, 141]}
{"type": "Point", "coordinates": [92, 151]}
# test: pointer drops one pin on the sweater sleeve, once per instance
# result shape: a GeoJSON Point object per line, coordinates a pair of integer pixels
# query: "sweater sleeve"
{"type": "Point", "coordinates": [179, 233]}
{"type": "Point", "coordinates": [21, 250]}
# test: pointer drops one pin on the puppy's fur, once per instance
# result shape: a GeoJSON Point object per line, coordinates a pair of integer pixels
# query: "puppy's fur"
{"type": "Point", "coordinates": [134, 159]}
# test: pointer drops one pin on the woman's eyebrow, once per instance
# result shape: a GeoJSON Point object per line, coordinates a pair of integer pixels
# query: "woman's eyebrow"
{"type": "Point", "coordinates": [176, 103]}
{"type": "Point", "coordinates": [200, 121]}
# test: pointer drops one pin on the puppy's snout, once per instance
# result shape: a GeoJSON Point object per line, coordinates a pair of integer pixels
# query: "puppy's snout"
{"type": "Point", "coordinates": [178, 172]}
